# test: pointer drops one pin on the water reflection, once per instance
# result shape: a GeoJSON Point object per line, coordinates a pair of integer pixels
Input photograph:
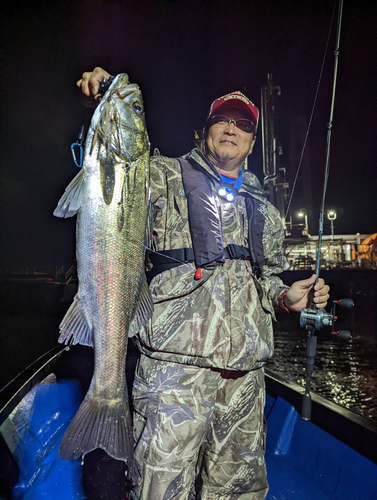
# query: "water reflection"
{"type": "Point", "coordinates": [345, 373]}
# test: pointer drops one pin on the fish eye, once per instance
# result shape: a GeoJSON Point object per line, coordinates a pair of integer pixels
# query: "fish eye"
{"type": "Point", "coordinates": [138, 108]}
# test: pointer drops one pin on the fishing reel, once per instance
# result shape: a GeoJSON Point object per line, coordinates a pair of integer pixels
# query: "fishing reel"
{"type": "Point", "coordinates": [315, 319]}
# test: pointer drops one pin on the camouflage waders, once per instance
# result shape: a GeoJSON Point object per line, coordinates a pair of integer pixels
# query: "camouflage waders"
{"type": "Point", "coordinates": [199, 387]}
{"type": "Point", "coordinates": [192, 422]}
{"type": "Point", "coordinates": [223, 320]}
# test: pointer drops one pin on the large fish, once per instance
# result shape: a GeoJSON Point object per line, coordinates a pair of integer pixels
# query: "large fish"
{"type": "Point", "coordinates": [111, 198]}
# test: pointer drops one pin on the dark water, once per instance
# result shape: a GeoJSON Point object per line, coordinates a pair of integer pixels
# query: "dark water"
{"type": "Point", "coordinates": [29, 320]}
{"type": "Point", "coordinates": [345, 373]}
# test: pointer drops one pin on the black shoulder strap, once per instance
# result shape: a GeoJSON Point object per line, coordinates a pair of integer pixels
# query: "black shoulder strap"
{"type": "Point", "coordinates": [204, 217]}
{"type": "Point", "coordinates": [256, 220]}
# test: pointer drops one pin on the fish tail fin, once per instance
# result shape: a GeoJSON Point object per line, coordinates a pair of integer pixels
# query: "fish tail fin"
{"type": "Point", "coordinates": [70, 202]}
{"type": "Point", "coordinates": [100, 425]}
{"type": "Point", "coordinates": [74, 327]}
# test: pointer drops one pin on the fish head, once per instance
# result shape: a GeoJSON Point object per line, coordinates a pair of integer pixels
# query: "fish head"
{"type": "Point", "coordinates": [123, 121]}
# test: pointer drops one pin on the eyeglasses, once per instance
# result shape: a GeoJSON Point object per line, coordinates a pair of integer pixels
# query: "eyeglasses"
{"type": "Point", "coordinates": [243, 124]}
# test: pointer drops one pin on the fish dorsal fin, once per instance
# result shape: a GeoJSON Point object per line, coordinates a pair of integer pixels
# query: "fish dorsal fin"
{"type": "Point", "coordinates": [144, 309]}
{"type": "Point", "coordinates": [70, 202]}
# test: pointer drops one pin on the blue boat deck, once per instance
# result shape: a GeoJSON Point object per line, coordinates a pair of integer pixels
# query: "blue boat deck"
{"type": "Point", "coordinates": [306, 463]}
{"type": "Point", "coordinates": [303, 461]}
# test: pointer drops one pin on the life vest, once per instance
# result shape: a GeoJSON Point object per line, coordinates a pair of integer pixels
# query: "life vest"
{"type": "Point", "coordinates": [205, 227]}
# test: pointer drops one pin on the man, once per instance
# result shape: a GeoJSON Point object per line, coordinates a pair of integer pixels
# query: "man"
{"type": "Point", "coordinates": [217, 250]}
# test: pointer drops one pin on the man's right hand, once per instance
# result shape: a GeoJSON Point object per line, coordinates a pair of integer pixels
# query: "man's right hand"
{"type": "Point", "coordinates": [89, 85]}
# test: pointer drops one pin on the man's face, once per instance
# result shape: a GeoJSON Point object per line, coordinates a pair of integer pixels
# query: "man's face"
{"type": "Point", "coordinates": [226, 143]}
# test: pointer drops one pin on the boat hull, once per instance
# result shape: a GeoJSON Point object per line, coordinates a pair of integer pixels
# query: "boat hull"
{"type": "Point", "coordinates": [320, 460]}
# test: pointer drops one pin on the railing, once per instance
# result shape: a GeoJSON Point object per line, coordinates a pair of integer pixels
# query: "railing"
{"type": "Point", "coordinates": [26, 270]}
{"type": "Point", "coordinates": [342, 252]}
{"type": "Point", "coordinates": [50, 273]}
{"type": "Point", "coordinates": [70, 273]}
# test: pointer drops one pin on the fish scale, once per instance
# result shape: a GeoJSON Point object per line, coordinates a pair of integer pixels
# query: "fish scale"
{"type": "Point", "coordinates": [112, 200]}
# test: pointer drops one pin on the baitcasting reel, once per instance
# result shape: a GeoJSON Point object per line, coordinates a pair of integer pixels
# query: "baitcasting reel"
{"type": "Point", "coordinates": [318, 318]}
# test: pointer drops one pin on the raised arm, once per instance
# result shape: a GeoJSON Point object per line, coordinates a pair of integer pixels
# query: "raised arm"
{"type": "Point", "coordinates": [89, 85]}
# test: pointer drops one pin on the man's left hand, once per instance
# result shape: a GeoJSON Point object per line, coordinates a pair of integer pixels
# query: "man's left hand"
{"type": "Point", "coordinates": [298, 295]}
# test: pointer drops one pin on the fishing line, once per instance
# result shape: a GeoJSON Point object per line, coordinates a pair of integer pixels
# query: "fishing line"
{"type": "Point", "coordinates": [328, 139]}
{"type": "Point", "coordinates": [31, 364]}
{"type": "Point", "coordinates": [166, 256]}
{"type": "Point", "coordinates": [310, 318]}
{"type": "Point", "coordinates": [312, 113]}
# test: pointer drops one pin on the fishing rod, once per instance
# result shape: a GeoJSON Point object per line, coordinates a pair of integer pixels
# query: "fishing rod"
{"type": "Point", "coordinates": [311, 318]}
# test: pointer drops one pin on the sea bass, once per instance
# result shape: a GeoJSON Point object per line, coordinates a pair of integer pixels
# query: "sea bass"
{"type": "Point", "coordinates": [111, 198]}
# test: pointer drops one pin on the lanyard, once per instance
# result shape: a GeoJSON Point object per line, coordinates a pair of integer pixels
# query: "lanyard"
{"type": "Point", "coordinates": [236, 184]}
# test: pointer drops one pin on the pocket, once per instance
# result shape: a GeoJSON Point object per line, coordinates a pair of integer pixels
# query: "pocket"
{"type": "Point", "coordinates": [168, 428]}
{"type": "Point", "coordinates": [183, 314]}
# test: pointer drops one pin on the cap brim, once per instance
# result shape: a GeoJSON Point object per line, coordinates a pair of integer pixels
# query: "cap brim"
{"type": "Point", "coordinates": [236, 104]}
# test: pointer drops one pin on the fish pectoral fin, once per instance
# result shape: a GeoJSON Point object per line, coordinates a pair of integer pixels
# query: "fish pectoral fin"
{"type": "Point", "coordinates": [70, 202]}
{"type": "Point", "coordinates": [144, 309]}
{"type": "Point", "coordinates": [149, 226]}
{"type": "Point", "coordinates": [74, 328]}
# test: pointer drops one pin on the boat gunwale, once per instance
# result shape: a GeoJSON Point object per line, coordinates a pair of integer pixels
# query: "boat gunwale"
{"type": "Point", "coordinates": [326, 414]}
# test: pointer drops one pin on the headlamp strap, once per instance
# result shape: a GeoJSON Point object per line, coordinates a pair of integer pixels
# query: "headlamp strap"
{"type": "Point", "coordinates": [236, 184]}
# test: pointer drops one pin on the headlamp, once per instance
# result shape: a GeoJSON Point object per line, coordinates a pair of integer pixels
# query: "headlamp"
{"type": "Point", "coordinates": [227, 193]}
{"type": "Point", "coordinates": [230, 187]}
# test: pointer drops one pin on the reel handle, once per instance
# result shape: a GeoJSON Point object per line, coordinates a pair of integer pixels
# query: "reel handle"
{"type": "Point", "coordinates": [343, 334]}
{"type": "Point", "coordinates": [346, 303]}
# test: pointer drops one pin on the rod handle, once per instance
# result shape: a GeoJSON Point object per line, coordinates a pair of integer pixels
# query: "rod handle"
{"type": "Point", "coordinates": [306, 407]}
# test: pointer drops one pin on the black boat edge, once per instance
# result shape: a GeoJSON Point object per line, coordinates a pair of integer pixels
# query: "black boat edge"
{"type": "Point", "coordinates": [356, 431]}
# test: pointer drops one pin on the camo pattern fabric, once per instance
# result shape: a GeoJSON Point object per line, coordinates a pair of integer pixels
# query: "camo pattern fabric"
{"type": "Point", "coordinates": [223, 320]}
{"type": "Point", "coordinates": [193, 422]}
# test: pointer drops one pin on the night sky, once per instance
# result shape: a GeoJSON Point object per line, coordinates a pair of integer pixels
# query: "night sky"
{"type": "Point", "coordinates": [183, 54]}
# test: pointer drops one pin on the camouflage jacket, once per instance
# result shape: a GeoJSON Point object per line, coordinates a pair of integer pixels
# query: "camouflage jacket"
{"type": "Point", "coordinates": [223, 320]}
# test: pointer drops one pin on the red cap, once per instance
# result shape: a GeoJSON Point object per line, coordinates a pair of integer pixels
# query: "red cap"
{"type": "Point", "coordinates": [236, 100]}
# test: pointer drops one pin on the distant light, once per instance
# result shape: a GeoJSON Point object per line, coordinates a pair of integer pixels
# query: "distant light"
{"type": "Point", "coordinates": [302, 212]}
